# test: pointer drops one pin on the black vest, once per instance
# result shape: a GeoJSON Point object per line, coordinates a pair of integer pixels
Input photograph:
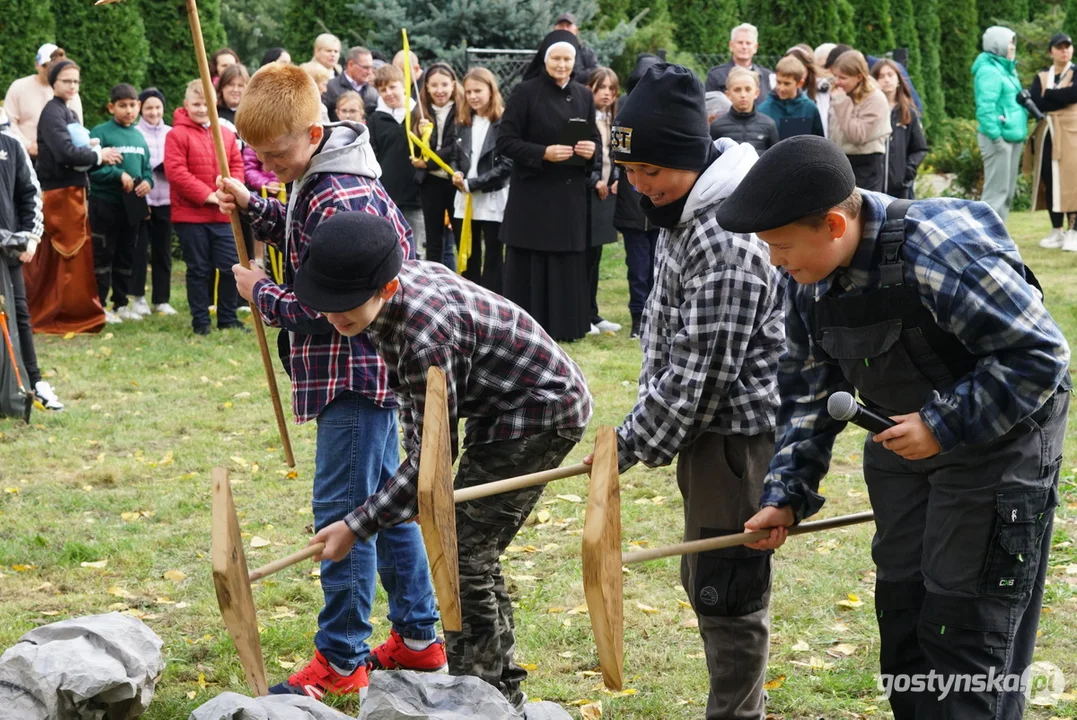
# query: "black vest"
{"type": "Point", "coordinates": [885, 341]}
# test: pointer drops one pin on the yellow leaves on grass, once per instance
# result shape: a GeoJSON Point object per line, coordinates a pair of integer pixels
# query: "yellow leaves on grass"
{"type": "Point", "coordinates": [841, 650]}
{"type": "Point", "coordinates": [175, 575]}
{"type": "Point", "coordinates": [850, 602]}
{"type": "Point", "coordinates": [656, 500]}
{"type": "Point", "coordinates": [97, 564]}
{"type": "Point", "coordinates": [11, 490]}
{"type": "Point", "coordinates": [570, 498]}
{"type": "Point", "coordinates": [591, 711]}
{"type": "Point", "coordinates": [529, 667]}
{"type": "Point", "coordinates": [774, 683]}
{"type": "Point", "coordinates": [260, 542]}
{"type": "Point", "coordinates": [647, 608]}
{"type": "Point", "coordinates": [119, 592]}
{"type": "Point", "coordinates": [136, 515]}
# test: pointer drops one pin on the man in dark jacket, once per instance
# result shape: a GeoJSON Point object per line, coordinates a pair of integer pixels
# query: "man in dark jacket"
{"type": "Point", "coordinates": [585, 58]}
{"type": "Point", "coordinates": [358, 75]}
{"type": "Point", "coordinates": [743, 123]}
{"type": "Point", "coordinates": [743, 43]}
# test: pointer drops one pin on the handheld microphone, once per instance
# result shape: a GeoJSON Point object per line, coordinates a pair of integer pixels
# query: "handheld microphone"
{"type": "Point", "coordinates": [843, 406]}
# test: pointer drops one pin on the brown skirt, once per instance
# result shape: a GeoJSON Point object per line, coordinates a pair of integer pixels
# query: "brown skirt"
{"type": "Point", "coordinates": [60, 285]}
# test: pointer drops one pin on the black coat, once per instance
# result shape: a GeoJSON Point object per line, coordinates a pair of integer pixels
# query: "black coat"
{"type": "Point", "coordinates": [446, 150]}
{"type": "Point", "coordinates": [602, 212]}
{"type": "Point", "coordinates": [547, 205]}
{"type": "Point", "coordinates": [57, 156]}
{"type": "Point", "coordinates": [586, 63]}
{"type": "Point", "coordinates": [340, 85]}
{"type": "Point", "coordinates": [754, 128]}
{"type": "Point", "coordinates": [908, 148]}
{"type": "Point", "coordinates": [494, 167]}
{"type": "Point", "coordinates": [20, 197]}
{"type": "Point", "coordinates": [390, 144]}
{"type": "Point", "coordinates": [716, 79]}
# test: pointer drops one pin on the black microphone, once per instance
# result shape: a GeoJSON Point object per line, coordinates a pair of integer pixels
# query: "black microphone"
{"type": "Point", "coordinates": [843, 406]}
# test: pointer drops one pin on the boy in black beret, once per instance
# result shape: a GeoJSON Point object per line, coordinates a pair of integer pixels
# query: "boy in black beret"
{"type": "Point", "coordinates": [711, 340]}
{"type": "Point", "coordinates": [925, 311]}
{"type": "Point", "coordinates": [525, 401]}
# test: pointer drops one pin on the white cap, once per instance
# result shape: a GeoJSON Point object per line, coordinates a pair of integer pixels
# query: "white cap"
{"type": "Point", "coordinates": [44, 53]}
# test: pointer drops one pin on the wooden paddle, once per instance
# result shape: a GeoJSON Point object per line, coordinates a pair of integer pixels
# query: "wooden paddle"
{"type": "Point", "coordinates": [437, 500]}
{"type": "Point", "coordinates": [603, 582]}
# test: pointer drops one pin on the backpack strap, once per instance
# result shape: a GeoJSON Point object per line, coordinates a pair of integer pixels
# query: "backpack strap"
{"type": "Point", "coordinates": [891, 239]}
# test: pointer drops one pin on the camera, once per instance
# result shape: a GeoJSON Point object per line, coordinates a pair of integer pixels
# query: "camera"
{"type": "Point", "coordinates": [1025, 98]}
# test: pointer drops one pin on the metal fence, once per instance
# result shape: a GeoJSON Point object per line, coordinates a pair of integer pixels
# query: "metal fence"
{"type": "Point", "coordinates": [508, 66]}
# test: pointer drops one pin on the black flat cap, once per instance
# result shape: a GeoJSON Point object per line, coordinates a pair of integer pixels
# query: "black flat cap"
{"type": "Point", "coordinates": [798, 177]}
{"type": "Point", "coordinates": [352, 255]}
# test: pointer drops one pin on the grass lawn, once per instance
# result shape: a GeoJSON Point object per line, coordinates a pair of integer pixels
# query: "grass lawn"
{"type": "Point", "coordinates": [123, 475]}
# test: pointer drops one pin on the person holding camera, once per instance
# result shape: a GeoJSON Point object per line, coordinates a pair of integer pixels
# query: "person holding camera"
{"type": "Point", "coordinates": [1003, 120]}
{"type": "Point", "coordinates": [1054, 145]}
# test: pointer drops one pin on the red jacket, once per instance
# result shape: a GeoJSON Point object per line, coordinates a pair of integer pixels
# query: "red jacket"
{"type": "Point", "coordinates": [191, 169]}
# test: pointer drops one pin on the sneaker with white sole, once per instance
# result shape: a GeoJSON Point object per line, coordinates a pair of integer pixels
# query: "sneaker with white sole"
{"type": "Point", "coordinates": [1069, 242]}
{"type": "Point", "coordinates": [594, 330]}
{"type": "Point", "coordinates": [243, 309]}
{"type": "Point", "coordinates": [140, 306]}
{"type": "Point", "coordinates": [607, 327]}
{"type": "Point", "coordinates": [164, 309]}
{"type": "Point", "coordinates": [47, 396]}
{"type": "Point", "coordinates": [112, 318]}
{"type": "Point", "coordinates": [127, 313]}
{"type": "Point", "coordinates": [1054, 240]}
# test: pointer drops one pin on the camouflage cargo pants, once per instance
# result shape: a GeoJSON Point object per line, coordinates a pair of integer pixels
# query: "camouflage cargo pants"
{"type": "Point", "coordinates": [484, 528]}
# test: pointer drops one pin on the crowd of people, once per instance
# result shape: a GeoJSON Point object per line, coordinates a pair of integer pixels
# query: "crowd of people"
{"type": "Point", "coordinates": [349, 178]}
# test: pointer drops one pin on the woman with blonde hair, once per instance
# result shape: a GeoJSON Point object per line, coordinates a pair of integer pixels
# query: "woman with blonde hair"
{"type": "Point", "coordinates": [321, 76]}
{"type": "Point", "coordinates": [860, 120]}
{"type": "Point", "coordinates": [327, 53]}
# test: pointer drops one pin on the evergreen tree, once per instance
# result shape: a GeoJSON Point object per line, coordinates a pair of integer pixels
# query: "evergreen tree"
{"type": "Point", "coordinates": [1001, 12]}
{"type": "Point", "coordinates": [959, 25]}
{"type": "Point", "coordinates": [784, 23]}
{"type": "Point", "coordinates": [874, 33]}
{"type": "Point", "coordinates": [252, 27]}
{"type": "Point", "coordinates": [305, 20]}
{"type": "Point", "coordinates": [25, 25]}
{"type": "Point", "coordinates": [847, 24]}
{"type": "Point", "coordinates": [172, 63]}
{"type": "Point", "coordinates": [1071, 17]}
{"type": "Point", "coordinates": [702, 26]}
{"type": "Point", "coordinates": [930, 82]}
{"type": "Point", "coordinates": [109, 44]}
{"type": "Point", "coordinates": [906, 36]}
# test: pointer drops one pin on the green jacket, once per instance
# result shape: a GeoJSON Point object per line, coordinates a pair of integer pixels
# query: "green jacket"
{"type": "Point", "coordinates": [105, 182]}
{"type": "Point", "coordinates": [996, 86]}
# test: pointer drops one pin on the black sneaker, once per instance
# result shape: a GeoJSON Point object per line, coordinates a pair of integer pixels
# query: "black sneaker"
{"type": "Point", "coordinates": [637, 321]}
{"type": "Point", "coordinates": [201, 329]}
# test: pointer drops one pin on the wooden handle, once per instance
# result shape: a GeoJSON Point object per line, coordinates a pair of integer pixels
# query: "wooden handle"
{"type": "Point", "coordinates": [237, 230]}
{"type": "Point", "coordinates": [728, 541]}
{"type": "Point", "coordinates": [500, 486]}
{"type": "Point", "coordinates": [287, 561]}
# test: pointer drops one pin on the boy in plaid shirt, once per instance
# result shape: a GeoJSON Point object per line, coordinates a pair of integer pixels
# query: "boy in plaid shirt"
{"type": "Point", "coordinates": [338, 380]}
{"type": "Point", "coordinates": [526, 405]}
{"type": "Point", "coordinates": [711, 340]}
{"type": "Point", "coordinates": [924, 310]}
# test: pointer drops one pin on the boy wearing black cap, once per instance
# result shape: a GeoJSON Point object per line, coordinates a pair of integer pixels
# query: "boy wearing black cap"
{"type": "Point", "coordinates": [711, 339]}
{"type": "Point", "coordinates": [526, 405]}
{"type": "Point", "coordinates": [924, 310]}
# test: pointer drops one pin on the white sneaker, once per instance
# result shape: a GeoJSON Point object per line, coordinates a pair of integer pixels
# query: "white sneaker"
{"type": "Point", "coordinates": [243, 309]}
{"type": "Point", "coordinates": [44, 392]}
{"type": "Point", "coordinates": [127, 313]}
{"type": "Point", "coordinates": [607, 327]}
{"type": "Point", "coordinates": [140, 306]}
{"type": "Point", "coordinates": [1069, 242]}
{"type": "Point", "coordinates": [112, 318]}
{"type": "Point", "coordinates": [164, 309]}
{"type": "Point", "coordinates": [594, 330]}
{"type": "Point", "coordinates": [1054, 240]}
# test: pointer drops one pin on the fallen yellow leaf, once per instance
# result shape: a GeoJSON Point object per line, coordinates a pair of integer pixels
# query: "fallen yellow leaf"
{"type": "Point", "coordinates": [570, 498]}
{"type": "Point", "coordinates": [50, 613]}
{"type": "Point", "coordinates": [801, 647]}
{"type": "Point", "coordinates": [529, 667]}
{"type": "Point", "coordinates": [646, 608]}
{"type": "Point", "coordinates": [99, 564]}
{"type": "Point", "coordinates": [851, 601]}
{"type": "Point", "coordinates": [175, 575]}
{"type": "Point", "coordinates": [684, 604]}
{"type": "Point", "coordinates": [119, 592]}
{"type": "Point", "coordinates": [775, 683]}
{"type": "Point", "coordinates": [543, 517]}
{"type": "Point", "coordinates": [591, 711]}
{"type": "Point", "coordinates": [202, 680]}
{"type": "Point", "coordinates": [68, 335]}
{"type": "Point", "coordinates": [259, 542]}
{"type": "Point", "coordinates": [841, 650]}
{"type": "Point", "coordinates": [292, 475]}
{"type": "Point", "coordinates": [192, 694]}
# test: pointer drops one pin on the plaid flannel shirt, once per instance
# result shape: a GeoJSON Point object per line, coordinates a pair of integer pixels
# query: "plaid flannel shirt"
{"type": "Point", "coordinates": [324, 363]}
{"type": "Point", "coordinates": [969, 274]}
{"type": "Point", "coordinates": [712, 335]}
{"type": "Point", "coordinates": [502, 372]}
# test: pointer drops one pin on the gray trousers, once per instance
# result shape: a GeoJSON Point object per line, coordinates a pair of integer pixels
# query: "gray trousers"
{"type": "Point", "coordinates": [484, 528]}
{"type": "Point", "coordinates": [961, 548]}
{"type": "Point", "coordinates": [721, 480]}
{"type": "Point", "coordinates": [1002, 164]}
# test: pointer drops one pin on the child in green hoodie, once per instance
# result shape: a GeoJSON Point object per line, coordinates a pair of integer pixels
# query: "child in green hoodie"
{"type": "Point", "coordinates": [117, 201]}
{"type": "Point", "coordinates": [788, 106]}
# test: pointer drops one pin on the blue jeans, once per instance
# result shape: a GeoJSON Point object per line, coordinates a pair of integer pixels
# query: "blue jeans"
{"type": "Point", "coordinates": [206, 247]}
{"type": "Point", "coordinates": [357, 452]}
{"type": "Point", "coordinates": [639, 257]}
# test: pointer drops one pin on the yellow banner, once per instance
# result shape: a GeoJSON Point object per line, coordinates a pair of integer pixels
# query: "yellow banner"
{"type": "Point", "coordinates": [463, 249]}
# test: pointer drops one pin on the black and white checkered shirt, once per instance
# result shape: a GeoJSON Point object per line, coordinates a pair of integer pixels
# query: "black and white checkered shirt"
{"type": "Point", "coordinates": [503, 373]}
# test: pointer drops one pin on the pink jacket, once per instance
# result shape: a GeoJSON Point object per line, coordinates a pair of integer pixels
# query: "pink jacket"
{"type": "Point", "coordinates": [254, 173]}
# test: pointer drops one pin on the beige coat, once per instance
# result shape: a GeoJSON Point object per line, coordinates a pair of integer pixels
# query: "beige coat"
{"type": "Point", "coordinates": [860, 128]}
{"type": "Point", "coordinates": [1062, 124]}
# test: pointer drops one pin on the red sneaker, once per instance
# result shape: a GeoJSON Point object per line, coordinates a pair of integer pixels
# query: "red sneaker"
{"type": "Point", "coordinates": [319, 678]}
{"type": "Point", "coordinates": [393, 654]}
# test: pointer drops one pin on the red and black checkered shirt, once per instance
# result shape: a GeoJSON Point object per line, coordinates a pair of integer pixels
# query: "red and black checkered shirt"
{"type": "Point", "coordinates": [503, 373]}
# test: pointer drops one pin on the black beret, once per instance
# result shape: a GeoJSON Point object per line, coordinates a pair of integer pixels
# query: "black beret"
{"type": "Point", "coordinates": [352, 255]}
{"type": "Point", "coordinates": [798, 177]}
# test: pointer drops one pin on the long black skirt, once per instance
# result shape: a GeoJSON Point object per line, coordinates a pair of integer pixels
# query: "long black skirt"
{"type": "Point", "coordinates": [552, 288]}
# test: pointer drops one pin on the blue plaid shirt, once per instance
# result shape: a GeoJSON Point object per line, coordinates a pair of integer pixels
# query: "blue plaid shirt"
{"type": "Point", "coordinates": [970, 277]}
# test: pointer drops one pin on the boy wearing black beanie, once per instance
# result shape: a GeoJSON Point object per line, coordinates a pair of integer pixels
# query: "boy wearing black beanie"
{"type": "Point", "coordinates": [924, 309]}
{"type": "Point", "coordinates": [711, 339]}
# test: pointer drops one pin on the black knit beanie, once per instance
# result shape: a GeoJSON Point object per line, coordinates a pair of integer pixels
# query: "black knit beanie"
{"type": "Point", "coordinates": [663, 121]}
{"type": "Point", "coordinates": [152, 92]}
{"type": "Point", "coordinates": [55, 70]}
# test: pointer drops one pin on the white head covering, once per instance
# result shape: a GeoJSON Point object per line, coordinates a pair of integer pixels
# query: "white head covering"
{"type": "Point", "coordinates": [559, 46]}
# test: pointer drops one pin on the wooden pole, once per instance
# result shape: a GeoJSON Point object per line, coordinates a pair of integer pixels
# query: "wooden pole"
{"type": "Point", "coordinates": [518, 483]}
{"type": "Point", "coordinates": [237, 230]}
{"type": "Point", "coordinates": [287, 561]}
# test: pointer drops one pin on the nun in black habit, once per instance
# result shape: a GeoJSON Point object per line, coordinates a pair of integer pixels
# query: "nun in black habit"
{"type": "Point", "coordinates": [545, 225]}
